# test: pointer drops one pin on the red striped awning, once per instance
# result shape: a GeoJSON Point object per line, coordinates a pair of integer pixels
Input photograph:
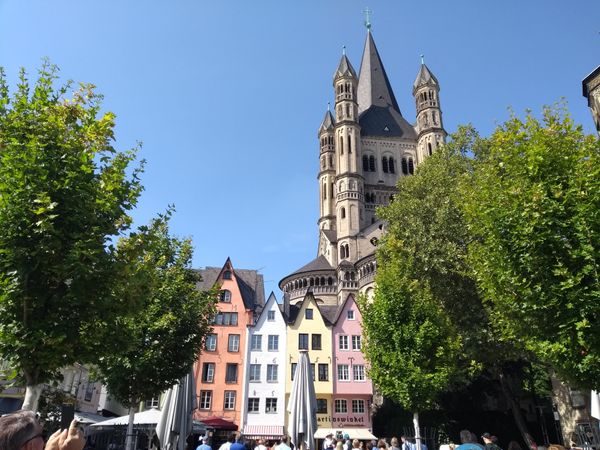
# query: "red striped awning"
{"type": "Point", "coordinates": [275, 431]}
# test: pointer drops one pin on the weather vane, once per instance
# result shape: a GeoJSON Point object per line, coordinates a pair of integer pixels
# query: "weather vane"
{"type": "Point", "coordinates": [343, 49]}
{"type": "Point", "coordinates": [422, 58]}
{"type": "Point", "coordinates": [367, 12]}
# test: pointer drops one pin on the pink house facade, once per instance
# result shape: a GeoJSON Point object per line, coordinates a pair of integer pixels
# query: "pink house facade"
{"type": "Point", "coordinates": [352, 390]}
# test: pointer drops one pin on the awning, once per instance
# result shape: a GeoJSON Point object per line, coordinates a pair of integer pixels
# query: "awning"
{"type": "Point", "coordinates": [219, 423]}
{"type": "Point", "coordinates": [362, 434]}
{"type": "Point", "coordinates": [271, 431]}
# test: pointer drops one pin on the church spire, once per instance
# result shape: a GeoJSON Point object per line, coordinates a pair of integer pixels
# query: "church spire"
{"type": "Point", "coordinates": [374, 88]}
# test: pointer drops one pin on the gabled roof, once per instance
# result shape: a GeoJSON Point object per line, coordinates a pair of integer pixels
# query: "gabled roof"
{"type": "Point", "coordinates": [338, 313]}
{"type": "Point", "coordinates": [344, 69]}
{"type": "Point", "coordinates": [327, 312]}
{"type": "Point", "coordinates": [374, 88]}
{"type": "Point", "coordinates": [320, 263]}
{"type": "Point", "coordinates": [331, 235]}
{"type": "Point", "coordinates": [271, 299]}
{"type": "Point", "coordinates": [385, 122]}
{"type": "Point", "coordinates": [250, 283]}
{"type": "Point", "coordinates": [424, 77]}
{"type": "Point", "coordinates": [328, 122]}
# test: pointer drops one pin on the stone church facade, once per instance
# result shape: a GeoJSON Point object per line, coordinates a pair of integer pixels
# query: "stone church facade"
{"type": "Point", "coordinates": [365, 146]}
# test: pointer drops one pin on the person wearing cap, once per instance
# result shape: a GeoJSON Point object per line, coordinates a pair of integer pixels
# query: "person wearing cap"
{"type": "Point", "coordinates": [21, 430]}
{"type": "Point", "coordinates": [489, 442]}
{"type": "Point", "coordinates": [328, 442]}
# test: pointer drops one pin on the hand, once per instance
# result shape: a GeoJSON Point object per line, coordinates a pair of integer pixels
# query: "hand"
{"type": "Point", "coordinates": [71, 439]}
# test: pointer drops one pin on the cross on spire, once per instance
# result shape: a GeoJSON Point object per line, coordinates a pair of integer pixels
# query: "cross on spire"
{"type": "Point", "coordinates": [422, 58]}
{"type": "Point", "coordinates": [367, 13]}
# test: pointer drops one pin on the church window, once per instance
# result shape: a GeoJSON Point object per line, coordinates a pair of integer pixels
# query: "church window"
{"type": "Point", "coordinates": [392, 198]}
{"type": "Point", "coordinates": [392, 165]}
{"type": "Point", "coordinates": [347, 110]}
{"type": "Point", "coordinates": [331, 190]}
{"type": "Point", "coordinates": [352, 276]}
{"type": "Point", "coordinates": [411, 166]}
{"type": "Point", "coordinates": [343, 213]}
{"type": "Point", "coordinates": [322, 281]}
{"type": "Point", "coordinates": [365, 163]}
{"type": "Point", "coordinates": [429, 148]}
{"type": "Point", "coordinates": [384, 164]}
{"type": "Point", "coordinates": [342, 145]}
{"type": "Point", "coordinates": [342, 254]}
{"type": "Point", "coordinates": [330, 161]}
{"type": "Point", "coordinates": [434, 117]}
{"type": "Point", "coordinates": [330, 281]}
{"type": "Point", "coordinates": [324, 191]}
{"type": "Point", "coordinates": [304, 283]}
{"type": "Point", "coordinates": [404, 166]}
{"type": "Point", "coordinates": [372, 163]}
{"type": "Point", "coordinates": [312, 282]}
{"type": "Point", "coordinates": [349, 144]}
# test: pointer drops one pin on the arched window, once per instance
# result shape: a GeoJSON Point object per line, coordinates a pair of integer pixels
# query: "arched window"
{"type": "Point", "coordinates": [392, 165]}
{"type": "Point", "coordinates": [330, 281]}
{"type": "Point", "coordinates": [225, 296]}
{"type": "Point", "coordinates": [342, 254]}
{"type": "Point", "coordinates": [343, 213]}
{"type": "Point", "coordinates": [342, 145]}
{"type": "Point", "coordinates": [372, 163]}
{"type": "Point", "coordinates": [330, 161]}
{"type": "Point", "coordinates": [347, 276]}
{"type": "Point", "coordinates": [352, 276]}
{"type": "Point", "coordinates": [411, 166]}
{"type": "Point", "coordinates": [347, 251]}
{"type": "Point", "coordinates": [322, 281]}
{"type": "Point", "coordinates": [324, 191]}
{"type": "Point", "coordinates": [404, 166]}
{"type": "Point", "coordinates": [349, 144]}
{"type": "Point", "coordinates": [429, 148]}
{"type": "Point", "coordinates": [312, 282]}
{"type": "Point", "coordinates": [365, 163]}
{"type": "Point", "coordinates": [384, 164]}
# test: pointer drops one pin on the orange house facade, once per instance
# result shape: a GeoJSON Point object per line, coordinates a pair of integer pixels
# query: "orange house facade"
{"type": "Point", "coordinates": [219, 369]}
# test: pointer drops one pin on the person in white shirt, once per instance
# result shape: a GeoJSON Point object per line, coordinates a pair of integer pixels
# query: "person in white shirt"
{"type": "Point", "coordinates": [261, 445]}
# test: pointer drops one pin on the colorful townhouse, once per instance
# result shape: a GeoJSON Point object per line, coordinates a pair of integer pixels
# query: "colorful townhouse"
{"type": "Point", "coordinates": [352, 390]}
{"type": "Point", "coordinates": [220, 367]}
{"type": "Point", "coordinates": [264, 406]}
{"type": "Point", "coordinates": [309, 328]}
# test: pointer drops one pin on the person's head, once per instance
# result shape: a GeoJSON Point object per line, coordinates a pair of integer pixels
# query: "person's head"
{"type": "Point", "coordinates": [261, 442]}
{"type": "Point", "coordinates": [465, 436]}
{"type": "Point", "coordinates": [381, 444]}
{"type": "Point", "coordinates": [231, 438]}
{"type": "Point", "coordinates": [284, 439]}
{"type": "Point", "coordinates": [487, 438]}
{"type": "Point", "coordinates": [403, 438]}
{"type": "Point", "coordinates": [205, 439]}
{"type": "Point", "coordinates": [21, 430]}
{"type": "Point", "coordinates": [240, 439]}
{"type": "Point", "coordinates": [394, 442]}
{"type": "Point", "coordinates": [346, 437]}
{"type": "Point", "coordinates": [369, 445]}
{"type": "Point", "coordinates": [339, 445]}
{"type": "Point", "coordinates": [355, 443]}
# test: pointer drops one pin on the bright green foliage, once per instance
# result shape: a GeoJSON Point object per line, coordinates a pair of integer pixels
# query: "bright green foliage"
{"type": "Point", "coordinates": [164, 337]}
{"type": "Point", "coordinates": [425, 322]}
{"type": "Point", "coordinates": [65, 193]}
{"type": "Point", "coordinates": [534, 208]}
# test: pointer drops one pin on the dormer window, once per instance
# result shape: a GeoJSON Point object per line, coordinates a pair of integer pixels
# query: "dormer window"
{"type": "Point", "coordinates": [227, 275]}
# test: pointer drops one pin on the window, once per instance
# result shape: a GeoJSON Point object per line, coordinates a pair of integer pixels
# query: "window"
{"type": "Point", "coordinates": [152, 403]}
{"type": "Point", "coordinates": [316, 341]}
{"type": "Point", "coordinates": [358, 372]}
{"type": "Point", "coordinates": [271, 373]}
{"type": "Point", "coordinates": [303, 341]}
{"type": "Point", "coordinates": [271, 406]}
{"type": "Point", "coordinates": [312, 371]}
{"type": "Point", "coordinates": [231, 373]}
{"type": "Point", "coordinates": [343, 342]}
{"type": "Point", "coordinates": [205, 399]}
{"type": "Point", "coordinates": [293, 371]}
{"type": "Point", "coordinates": [411, 166]}
{"type": "Point", "coordinates": [270, 316]}
{"type": "Point", "coordinates": [225, 296]}
{"type": "Point", "coordinates": [365, 162]}
{"type": "Point", "coordinates": [233, 344]}
{"type": "Point", "coordinates": [229, 402]}
{"type": "Point", "coordinates": [350, 314]}
{"type": "Point", "coordinates": [404, 166]}
{"type": "Point", "coordinates": [225, 318]}
{"type": "Point", "coordinates": [253, 404]}
{"type": "Point", "coordinates": [343, 213]}
{"type": "Point", "coordinates": [273, 344]}
{"type": "Point", "coordinates": [358, 406]}
{"type": "Point", "coordinates": [254, 373]}
{"type": "Point", "coordinates": [323, 372]}
{"type": "Point", "coordinates": [372, 163]}
{"type": "Point", "coordinates": [429, 148]}
{"type": "Point", "coordinates": [211, 342]}
{"type": "Point", "coordinates": [357, 342]}
{"type": "Point", "coordinates": [208, 372]}
{"type": "Point", "coordinates": [343, 373]}
{"type": "Point", "coordinates": [256, 342]}
{"type": "Point", "coordinates": [321, 406]}
{"type": "Point", "coordinates": [341, 406]}
{"type": "Point", "coordinates": [308, 313]}
{"type": "Point", "coordinates": [392, 164]}
{"type": "Point", "coordinates": [384, 164]}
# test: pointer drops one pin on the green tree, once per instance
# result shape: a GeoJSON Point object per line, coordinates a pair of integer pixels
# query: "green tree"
{"type": "Point", "coordinates": [65, 194]}
{"type": "Point", "coordinates": [165, 336]}
{"type": "Point", "coordinates": [533, 207]}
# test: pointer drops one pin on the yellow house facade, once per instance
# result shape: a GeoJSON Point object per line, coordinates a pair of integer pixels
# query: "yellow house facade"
{"type": "Point", "coordinates": [310, 329]}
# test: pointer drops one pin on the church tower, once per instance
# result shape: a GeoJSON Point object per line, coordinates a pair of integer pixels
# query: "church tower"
{"type": "Point", "coordinates": [327, 172]}
{"type": "Point", "coordinates": [430, 130]}
{"type": "Point", "coordinates": [348, 186]}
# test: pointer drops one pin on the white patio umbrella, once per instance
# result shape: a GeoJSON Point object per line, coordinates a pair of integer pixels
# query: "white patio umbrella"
{"type": "Point", "coordinates": [595, 403]}
{"type": "Point", "coordinates": [302, 405]}
{"type": "Point", "coordinates": [176, 418]}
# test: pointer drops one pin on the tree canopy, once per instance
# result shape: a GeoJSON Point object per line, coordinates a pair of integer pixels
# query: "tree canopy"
{"type": "Point", "coordinates": [65, 195]}
{"type": "Point", "coordinates": [533, 208]}
{"type": "Point", "coordinates": [165, 335]}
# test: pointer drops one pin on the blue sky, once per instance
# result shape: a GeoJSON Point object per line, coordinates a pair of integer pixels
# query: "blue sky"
{"type": "Point", "coordinates": [227, 96]}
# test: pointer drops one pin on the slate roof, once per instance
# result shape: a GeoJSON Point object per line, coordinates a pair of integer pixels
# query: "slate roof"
{"type": "Point", "coordinates": [328, 122]}
{"type": "Point", "coordinates": [385, 121]}
{"type": "Point", "coordinates": [250, 282]}
{"type": "Point", "coordinates": [331, 235]}
{"type": "Point", "coordinates": [344, 69]}
{"type": "Point", "coordinates": [425, 77]}
{"type": "Point", "coordinates": [374, 88]}
{"type": "Point", "coordinates": [319, 263]}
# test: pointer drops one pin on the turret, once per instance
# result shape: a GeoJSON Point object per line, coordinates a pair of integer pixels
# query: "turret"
{"type": "Point", "coordinates": [430, 129]}
{"type": "Point", "coordinates": [327, 172]}
{"type": "Point", "coordinates": [349, 180]}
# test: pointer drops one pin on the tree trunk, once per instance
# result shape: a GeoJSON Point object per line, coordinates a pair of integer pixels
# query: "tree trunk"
{"type": "Point", "coordinates": [129, 441]}
{"type": "Point", "coordinates": [516, 411]}
{"type": "Point", "coordinates": [417, 430]}
{"type": "Point", "coordinates": [32, 397]}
